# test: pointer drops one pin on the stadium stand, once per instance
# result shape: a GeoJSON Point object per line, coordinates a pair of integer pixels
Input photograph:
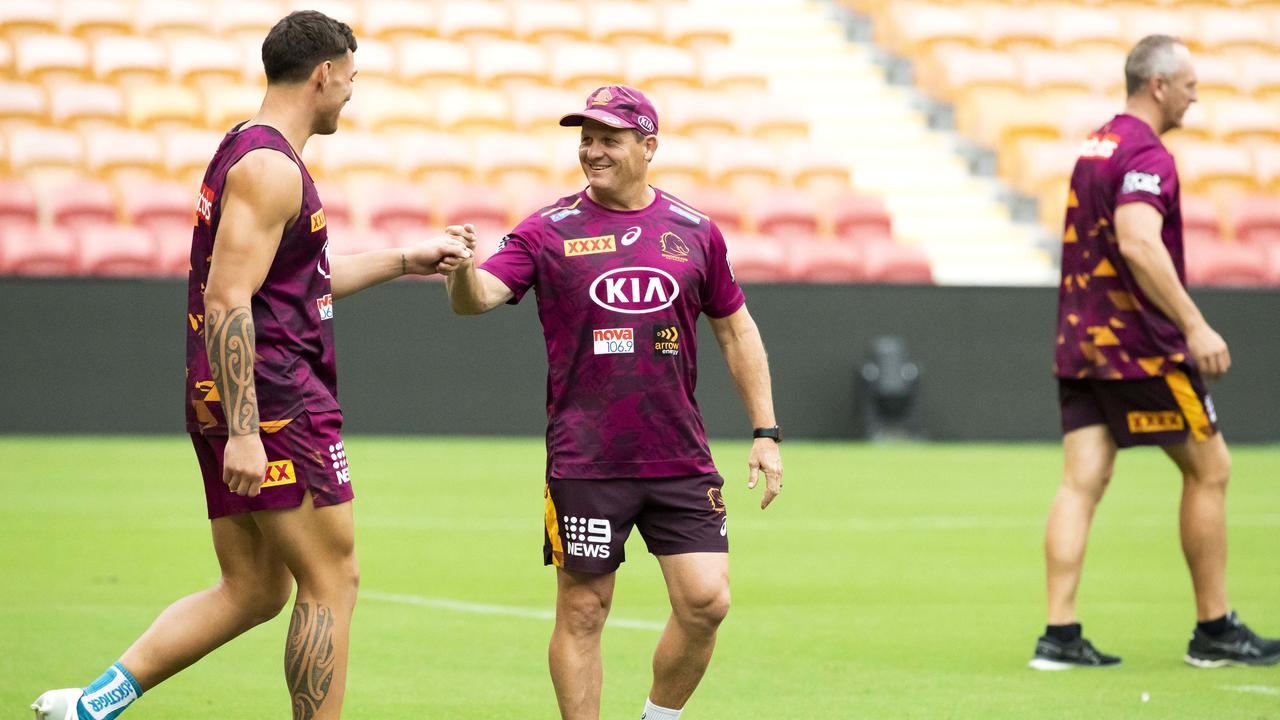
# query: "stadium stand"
{"type": "Point", "coordinates": [126, 100]}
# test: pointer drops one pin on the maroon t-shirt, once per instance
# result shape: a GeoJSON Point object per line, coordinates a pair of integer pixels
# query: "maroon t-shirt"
{"type": "Point", "coordinates": [619, 294]}
{"type": "Point", "coordinates": [292, 311]}
{"type": "Point", "coordinates": [1107, 328]}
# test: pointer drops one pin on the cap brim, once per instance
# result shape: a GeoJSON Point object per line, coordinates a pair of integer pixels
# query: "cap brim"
{"type": "Point", "coordinates": [608, 118]}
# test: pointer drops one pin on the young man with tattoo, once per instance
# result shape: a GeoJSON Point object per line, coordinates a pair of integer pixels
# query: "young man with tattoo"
{"type": "Point", "coordinates": [262, 404]}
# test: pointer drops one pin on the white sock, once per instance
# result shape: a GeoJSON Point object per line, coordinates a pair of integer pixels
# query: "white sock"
{"type": "Point", "coordinates": [657, 712]}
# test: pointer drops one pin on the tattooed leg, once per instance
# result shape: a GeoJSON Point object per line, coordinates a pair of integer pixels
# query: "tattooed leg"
{"type": "Point", "coordinates": [309, 658]}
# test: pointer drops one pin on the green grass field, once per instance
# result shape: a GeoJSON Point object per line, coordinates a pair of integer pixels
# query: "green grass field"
{"type": "Point", "coordinates": [886, 582]}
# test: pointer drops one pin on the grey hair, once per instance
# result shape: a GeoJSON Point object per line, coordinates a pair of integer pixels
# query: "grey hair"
{"type": "Point", "coordinates": [1152, 56]}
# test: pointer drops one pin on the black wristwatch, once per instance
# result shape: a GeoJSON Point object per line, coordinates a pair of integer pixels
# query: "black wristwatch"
{"type": "Point", "coordinates": [773, 433]}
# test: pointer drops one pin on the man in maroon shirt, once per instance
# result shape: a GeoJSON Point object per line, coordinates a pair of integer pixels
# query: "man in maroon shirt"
{"type": "Point", "coordinates": [262, 405]}
{"type": "Point", "coordinates": [622, 271]}
{"type": "Point", "coordinates": [1131, 351]}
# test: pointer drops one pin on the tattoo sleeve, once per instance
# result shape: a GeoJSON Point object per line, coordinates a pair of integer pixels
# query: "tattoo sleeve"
{"type": "Point", "coordinates": [229, 340]}
{"type": "Point", "coordinates": [309, 658]}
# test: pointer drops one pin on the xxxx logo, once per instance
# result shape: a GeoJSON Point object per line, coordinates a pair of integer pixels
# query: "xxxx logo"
{"type": "Point", "coordinates": [279, 472]}
{"type": "Point", "coordinates": [590, 246]}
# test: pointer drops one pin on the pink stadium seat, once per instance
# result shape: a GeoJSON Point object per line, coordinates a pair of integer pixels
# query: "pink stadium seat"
{"type": "Point", "coordinates": [173, 244]}
{"type": "Point", "coordinates": [126, 58]}
{"type": "Point", "coordinates": [38, 251]}
{"type": "Point", "coordinates": [584, 66]}
{"type": "Point", "coordinates": [1273, 264]}
{"type": "Point", "coordinates": [397, 19]}
{"type": "Point", "coordinates": [657, 67]}
{"type": "Point", "coordinates": [117, 250]}
{"type": "Point", "coordinates": [108, 150]}
{"type": "Point", "coordinates": [476, 204]}
{"type": "Point", "coordinates": [474, 20]}
{"type": "Point", "coordinates": [394, 207]}
{"type": "Point", "coordinates": [894, 263]}
{"type": "Point", "coordinates": [1226, 264]}
{"type": "Point", "coordinates": [76, 104]}
{"type": "Point", "coordinates": [152, 203]}
{"type": "Point", "coordinates": [199, 60]}
{"type": "Point", "coordinates": [1074, 27]}
{"type": "Point", "coordinates": [821, 261]}
{"type": "Point", "coordinates": [626, 22]}
{"type": "Point", "coordinates": [1255, 220]}
{"type": "Point", "coordinates": [91, 18]}
{"type": "Point", "coordinates": [337, 206]}
{"type": "Point", "coordinates": [788, 215]}
{"type": "Point", "coordinates": [549, 22]}
{"type": "Point", "coordinates": [1200, 219]}
{"type": "Point", "coordinates": [861, 219]}
{"type": "Point", "coordinates": [23, 18]}
{"type": "Point", "coordinates": [23, 103]}
{"type": "Point", "coordinates": [17, 203]}
{"type": "Point", "coordinates": [38, 56]}
{"type": "Point", "coordinates": [435, 61]}
{"type": "Point", "coordinates": [756, 258]}
{"type": "Point", "coordinates": [346, 240]}
{"type": "Point", "coordinates": [721, 206]}
{"type": "Point", "coordinates": [502, 63]}
{"type": "Point", "coordinates": [38, 148]}
{"type": "Point", "coordinates": [694, 26]}
{"type": "Point", "coordinates": [81, 203]}
{"type": "Point", "coordinates": [1007, 27]}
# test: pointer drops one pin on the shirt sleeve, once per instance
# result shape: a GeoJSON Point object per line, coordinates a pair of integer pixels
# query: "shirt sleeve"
{"type": "Point", "coordinates": [515, 261]}
{"type": "Point", "coordinates": [721, 295]}
{"type": "Point", "coordinates": [1148, 176]}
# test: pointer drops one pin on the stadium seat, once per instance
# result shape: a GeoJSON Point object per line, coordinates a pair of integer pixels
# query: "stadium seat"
{"type": "Point", "coordinates": [347, 240]}
{"type": "Point", "coordinates": [1261, 74]}
{"type": "Point", "coordinates": [756, 258]}
{"type": "Point", "coordinates": [154, 203]}
{"type": "Point", "coordinates": [816, 169]}
{"type": "Point", "coordinates": [377, 60]}
{"type": "Point", "coordinates": [894, 263]}
{"type": "Point", "coordinates": [246, 19]}
{"type": "Point", "coordinates": [1141, 21]}
{"type": "Point", "coordinates": [787, 215]}
{"type": "Point", "coordinates": [1043, 70]}
{"type": "Point", "coordinates": [861, 219]}
{"type": "Point", "coordinates": [384, 106]}
{"type": "Point", "coordinates": [777, 122]}
{"type": "Point", "coordinates": [227, 105]}
{"type": "Point", "coordinates": [81, 203]}
{"type": "Point", "coordinates": [539, 109]}
{"type": "Point", "coordinates": [655, 68]}
{"type": "Point", "coordinates": [109, 151]}
{"type": "Point", "coordinates": [1045, 164]}
{"type": "Point", "coordinates": [614, 22]}
{"type": "Point", "coordinates": [512, 160]}
{"type": "Point", "coordinates": [347, 11]}
{"type": "Point", "coordinates": [719, 205]}
{"type": "Point", "coordinates": [743, 165]}
{"type": "Point", "coordinates": [351, 152]}
{"type": "Point", "coordinates": [151, 106]}
{"type": "Point", "coordinates": [186, 153]}
{"type": "Point", "coordinates": [1218, 77]}
{"type": "Point", "coordinates": [585, 66]}
{"type": "Point", "coordinates": [549, 23]}
{"type": "Point", "coordinates": [437, 160]}
{"type": "Point", "coordinates": [392, 20]}
{"type": "Point", "coordinates": [508, 63]}
{"type": "Point", "coordinates": [1273, 264]}
{"type": "Point", "coordinates": [1215, 167]}
{"type": "Point", "coordinates": [1245, 120]}
{"type": "Point", "coordinates": [473, 111]}
{"type": "Point", "coordinates": [433, 62]}
{"type": "Point", "coordinates": [395, 207]}
{"type": "Point", "coordinates": [1200, 221]}
{"type": "Point", "coordinates": [1232, 30]}
{"type": "Point", "coordinates": [469, 21]}
{"type": "Point", "coordinates": [6, 59]}
{"type": "Point", "coordinates": [117, 251]}
{"type": "Point", "coordinates": [1266, 166]}
{"type": "Point", "coordinates": [27, 18]}
{"type": "Point", "coordinates": [129, 59]}
{"type": "Point", "coordinates": [1007, 28]}
{"type": "Point", "coordinates": [1226, 265]}
{"type": "Point", "coordinates": [43, 148]}
{"type": "Point", "coordinates": [336, 203]}
{"type": "Point", "coordinates": [200, 60]}
{"type": "Point", "coordinates": [479, 205]}
{"type": "Point", "coordinates": [1255, 220]}
{"type": "Point", "coordinates": [50, 57]}
{"type": "Point", "coordinates": [162, 19]}
{"type": "Point", "coordinates": [93, 18]}
{"type": "Point", "coordinates": [726, 68]}
{"type": "Point", "coordinates": [23, 103]}
{"type": "Point", "coordinates": [917, 29]}
{"type": "Point", "coordinates": [17, 203]}
{"type": "Point", "coordinates": [1074, 27]}
{"type": "Point", "coordinates": [77, 104]}
{"type": "Point", "coordinates": [819, 261]}
{"type": "Point", "coordinates": [38, 251]}
{"type": "Point", "coordinates": [694, 26]}
{"type": "Point", "coordinates": [700, 114]}
{"type": "Point", "coordinates": [172, 239]}
{"type": "Point", "coordinates": [678, 164]}
{"type": "Point", "coordinates": [957, 72]}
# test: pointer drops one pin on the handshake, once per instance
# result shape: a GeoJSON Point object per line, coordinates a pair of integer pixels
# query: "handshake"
{"type": "Point", "coordinates": [442, 254]}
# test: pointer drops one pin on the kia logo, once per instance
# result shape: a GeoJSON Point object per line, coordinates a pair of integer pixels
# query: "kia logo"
{"type": "Point", "coordinates": [635, 290]}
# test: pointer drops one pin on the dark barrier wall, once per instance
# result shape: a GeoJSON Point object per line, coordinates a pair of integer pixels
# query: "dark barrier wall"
{"type": "Point", "coordinates": [106, 356]}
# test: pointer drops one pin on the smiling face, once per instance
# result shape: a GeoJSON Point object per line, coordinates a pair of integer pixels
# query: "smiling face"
{"type": "Point", "coordinates": [336, 78]}
{"type": "Point", "coordinates": [614, 160]}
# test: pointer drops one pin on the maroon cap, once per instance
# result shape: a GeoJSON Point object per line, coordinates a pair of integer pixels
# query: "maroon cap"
{"type": "Point", "coordinates": [617, 106]}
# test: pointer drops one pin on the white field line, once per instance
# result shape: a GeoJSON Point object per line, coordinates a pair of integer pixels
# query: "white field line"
{"type": "Point", "coordinates": [1256, 689]}
{"type": "Point", "coordinates": [485, 609]}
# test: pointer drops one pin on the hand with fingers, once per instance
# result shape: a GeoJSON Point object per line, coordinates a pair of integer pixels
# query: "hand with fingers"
{"type": "Point", "coordinates": [244, 464]}
{"type": "Point", "coordinates": [440, 254]}
{"type": "Point", "coordinates": [1209, 350]}
{"type": "Point", "coordinates": [766, 457]}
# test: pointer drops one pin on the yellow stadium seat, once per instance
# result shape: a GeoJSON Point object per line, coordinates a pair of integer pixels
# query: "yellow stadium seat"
{"type": "Point", "coordinates": [1245, 120]}
{"type": "Point", "coordinates": [79, 104]}
{"type": "Point", "coordinates": [148, 106]}
{"type": "Point", "coordinates": [398, 19]}
{"type": "Point", "coordinates": [1087, 113]}
{"type": "Point", "coordinates": [381, 106]}
{"type": "Point", "coordinates": [438, 160]}
{"type": "Point", "coordinates": [1266, 167]}
{"type": "Point", "coordinates": [623, 22]}
{"type": "Point", "coordinates": [917, 29]}
{"type": "Point", "coordinates": [585, 66]}
{"type": "Point", "coordinates": [725, 68]}
{"type": "Point", "coordinates": [474, 20]}
{"type": "Point", "coordinates": [111, 151]}
{"type": "Point", "coordinates": [549, 22]}
{"type": "Point", "coordinates": [92, 18]}
{"type": "Point", "coordinates": [701, 113]}
{"type": "Point", "coordinates": [956, 73]}
{"type": "Point", "coordinates": [539, 109]}
{"type": "Point", "coordinates": [433, 62]}
{"type": "Point", "coordinates": [1075, 27]}
{"type": "Point", "coordinates": [246, 19]}
{"type": "Point", "coordinates": [1261, 74]}
{"type": "Point", "coordinates": [1015, 27]}
{"type": "Point", "coordinates": [654, 68]}
{"type": "Point", "coordinates": [1214, 168]}
{"type": "Point", "coordinates": [1046, 166]}
{"type": "Point", "coordinates": [508, 63]}
{"type": "Point", "coordinates": [1225, 30]}
{"type": "Point", "coordinates": [815, 169]}
{"type": "Point", "coordinates": [1143, 20]}
{"type": "Point", "coordinates": [1218, 78]}
{"type": "Point", "coordinates": [129, 59]}
{"type": "Point", "coordinates": [777, 122]}
{"type": "Point", "coordinates": [512, 161]}
{"type": "Point", "coordinates": [6, 59]}
{"type": "Point", "coordinates": [473, 111]}
{"type": "Point", "coordinates": [199, 60]}
{"type": "Point", "coordinates": [1060, 71]}
{"type": "Point", "coordinates": [679, 162]}
{"type": "Point", "coordinates": [186, 153]}
{"type": "Point", "coordinates": [351, 153]}
{"type": "Point", "coordinates": [23, 104]}
{"type": "Point", "coordinates": [226, 105]}
{"type": "Point", "coordinates": [694, 26]}
{"type": "Point", "coordinates": [50, 57]}
{"type": "Point", "coordinates": [25, 18]}
{"type": "Point", "coordinates": [376, 60]}
{"type": "Point", "coordinates": [160, 19]}
{"type": "Point", "coordinates": [743, 165]}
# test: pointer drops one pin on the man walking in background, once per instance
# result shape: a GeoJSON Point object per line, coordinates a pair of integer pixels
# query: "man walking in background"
{"type": "Point", "coordinates": [622, 271]}
{"type": "Point", "coordinates": [261, 386]}
{"type": "Point", "coordinates": [1132, 351]}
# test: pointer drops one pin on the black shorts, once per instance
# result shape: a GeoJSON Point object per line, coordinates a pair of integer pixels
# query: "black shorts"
{"type": "Point", "coordinates": [1154, 411]}
{"type": "Point", "coordinates": [588, 521]}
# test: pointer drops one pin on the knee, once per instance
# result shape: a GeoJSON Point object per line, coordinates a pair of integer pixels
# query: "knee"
{"type": "Point", "coordinates": [582, 614]}
{"type": "Point", "coordinates": [1213, 476]}
{"type": "Point", "coordinates": [259, 599]}
{"type": "Point", "coordinates": [1089, 485]}
{"type": "Point", "coordinates": [705, 609]}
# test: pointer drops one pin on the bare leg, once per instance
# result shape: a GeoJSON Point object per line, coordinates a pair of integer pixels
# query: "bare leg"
{"type": "Point", "coordinates": [255, 585]}
{"type": "Point", "coordinates": [698, 585]}
{"type": "Point", "coordinates": [582, 605]}
{"type": "Point", "coordinates": [1089, 456]}
{"type": "Point", "coordinates": [318, 546]}
{"type": "Point", "coordinates": [1206, 468]}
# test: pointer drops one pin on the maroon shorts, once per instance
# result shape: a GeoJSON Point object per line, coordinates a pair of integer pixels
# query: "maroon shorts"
{"type": "Point", "coordinates": [588, 521]}
{"type": "Point", "coordinates": [1153, 411]}
{"type": "Point", "coordinates": [306, 453]}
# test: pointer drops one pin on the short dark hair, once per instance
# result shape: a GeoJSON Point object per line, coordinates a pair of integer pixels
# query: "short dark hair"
{"type": "Point", "coordinates": [302, 40]}
{"type": "Point", "coordinates": [1152, 56]}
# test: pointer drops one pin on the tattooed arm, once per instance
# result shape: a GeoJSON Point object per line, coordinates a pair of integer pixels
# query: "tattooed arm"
{"type": "Point", "coordinates": [263, 194]}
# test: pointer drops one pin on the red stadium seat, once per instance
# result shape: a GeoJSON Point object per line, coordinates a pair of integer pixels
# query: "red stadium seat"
{"type": "Point", "coordinates": [117, 250]}
{"type": "Point", "coordinates": [820, 261]}
{"type": "Point", "coordinates": [78, 104]}
{"type": "Point", "coordinates": [549, 22]}
{"type": "Point", "coordinates": [1255, 220]}
{"type": "Point", "coordinates": [25, 250]}
{"type": "Point", "coordinates": [17, 203]}
{"type": "Point", "coordinates": [894, 263]}
{"type": "Point", "coordinates": [173, 244]}
{"type": "Point", "coordinates": [336, 203]}
{"type": "Point", "coordinates": [346, 240]}
{"type": "Point", "coordinates": [396, 207]}
{"type": "Point", "coordinates": [721, 206]}
{"type": "Point", "coordinates": [787, 215]}
{"type": "Point", "coordinates": [160, 202]}
{"type": "Point", "coordinates": [1226, 265]}
{"type": "Point", "coordinates": [756, 258]}
{"type": "Point", "coordinates": [1200, 219]}
{"type": "Point", "coordinates": [861, 219]}
{"type": "Point", "coordinates": [398, 19]}
{"type": "Point", "coordinates": [81, 203]}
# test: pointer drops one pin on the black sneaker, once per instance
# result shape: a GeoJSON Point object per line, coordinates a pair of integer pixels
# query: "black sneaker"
{"type": "Point", "coordinates": [1054, 654]}
{"type": "Point", "coordinates": [1237, 646]}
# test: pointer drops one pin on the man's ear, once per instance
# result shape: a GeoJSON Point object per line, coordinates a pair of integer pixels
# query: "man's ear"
{"type": "Point", "coordinates": [321, 74]}
{"type": "Point", "coordinates": [650, 146]}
